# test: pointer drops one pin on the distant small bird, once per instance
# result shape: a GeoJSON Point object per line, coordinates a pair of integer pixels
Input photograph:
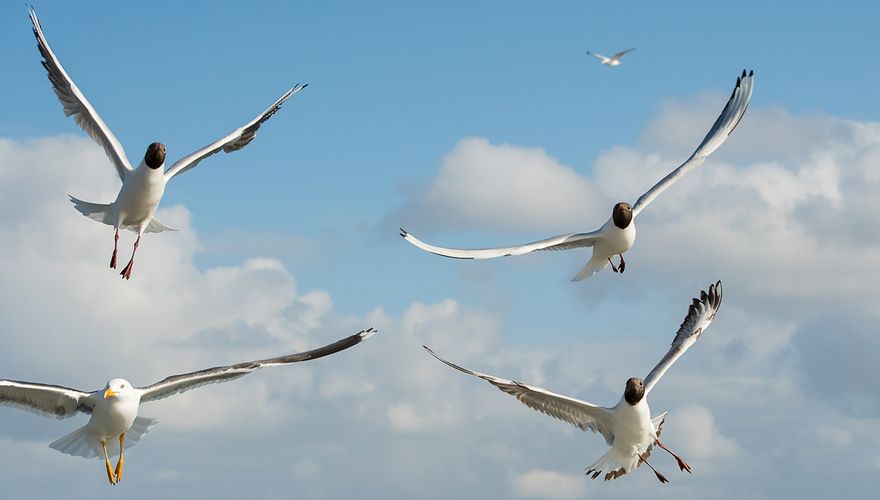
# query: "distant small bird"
{"type": "Point", "coordinates": [613, 60]}
{"type": "Point", "coordinates": [114, 409]}
{"type": "Point", "coordinates": [142, 187]}
{"type": "Point", "coordinates": [618, 234]}
{"type": "Point", "coordinates": [627, 426]}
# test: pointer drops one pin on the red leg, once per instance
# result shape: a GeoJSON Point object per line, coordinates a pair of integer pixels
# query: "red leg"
{"type": "Point", "coordinates": [661, 477]}
{"type": "Point", "coordinates": [613, 267]}
{"type": "Point", "coordinates": [622, 264]}
{"type": "Point", "coordinates": [115, 247]}
{"type": "Point", "coordinates": [681, 463]}
{"type": "Point", "coordinates": [126, 272]}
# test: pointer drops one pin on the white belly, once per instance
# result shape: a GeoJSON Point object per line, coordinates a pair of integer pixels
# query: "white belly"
{"type": "Point", "coordinates": [140, 196]}
{"type": "Point", "coordinates": [633, 430]}
{"type": "Point", "coordinates": [614, 240]}
{"type": "Point", "coordinates": [112, 418]}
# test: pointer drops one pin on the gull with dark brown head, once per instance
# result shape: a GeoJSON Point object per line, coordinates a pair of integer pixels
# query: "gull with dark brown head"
{"type": "Point", "coordinates": [627, 426]}
{"type": "Point", "coordinates": [114, 424]}
{"type": "Point", "coordinates": [143, 186]}
{"type": "Point", "coordinates": [618, 234]}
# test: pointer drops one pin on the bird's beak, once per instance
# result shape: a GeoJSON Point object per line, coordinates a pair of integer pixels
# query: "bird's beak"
{"type": "Point", "coordinates": [109, 393]}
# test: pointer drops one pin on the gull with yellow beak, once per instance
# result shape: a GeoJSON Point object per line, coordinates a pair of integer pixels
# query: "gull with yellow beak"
{"type": "Point", "coordinates": [114, 424]}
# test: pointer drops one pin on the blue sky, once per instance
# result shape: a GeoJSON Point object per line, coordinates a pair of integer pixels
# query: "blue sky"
{"type": "Point", "coordinates": [400, 92]}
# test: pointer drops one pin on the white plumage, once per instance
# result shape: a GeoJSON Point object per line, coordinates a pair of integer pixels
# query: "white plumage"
{"type": "Point", "coordinates": [613, 60]}
{"type": "Point", "coordinates": [627, 426]}
{"type": "Point", "coordinates": [618, 234]}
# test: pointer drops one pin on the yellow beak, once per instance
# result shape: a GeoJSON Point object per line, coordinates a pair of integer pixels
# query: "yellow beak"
{"type": "Point", "coordinates": [109, 393]}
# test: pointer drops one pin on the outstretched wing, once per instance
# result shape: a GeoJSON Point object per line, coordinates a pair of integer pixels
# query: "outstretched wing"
{"type": "Point", "coordinates": [76, 105]}
{"type": "Point", "coordinates": [700, 315]}
{"type": "Point", "coordinates": [561, 242]}
{"type": "Point", "coordinates": [180, 383]}
{"type": "Point", "coordinates": [580, 414]}
{"type": "Point", "coordinates": [616, 57]}
{"type": "Point", "coordinates": [724, 125]}
{"type": "Point", "coordinates": [48, 400]}
{"type": "Point", "coordinates": [233, 141]}
{"type": "Point", "coordinates": [596, 54]}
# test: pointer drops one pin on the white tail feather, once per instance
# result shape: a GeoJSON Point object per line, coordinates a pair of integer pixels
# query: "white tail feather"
{"type": "Point", "coordinates": [101, 212]}
{"type": "Point", "coordinates": [593, 266]}
{"type": "Point", "coordinates": [84, 443]}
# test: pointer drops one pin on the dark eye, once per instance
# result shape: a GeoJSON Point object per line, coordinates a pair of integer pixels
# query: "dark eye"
{"type": "Point", "coordinates": [122, 386]}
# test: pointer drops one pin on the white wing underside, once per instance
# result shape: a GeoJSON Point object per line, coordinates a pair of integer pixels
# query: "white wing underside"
{"type": "Point", "coordinates": [616, 57]}
{"type": "Point", "coordinates": [77, 106]}
{"type": "Point", "coordinates": [700, 314]}
{"type": "Point", "coordinates": [580, 414]}
{"type": "Point", "coordinates": [176, 384]}
{"type": "Point", "coordinates": [47, 400]}
{"type": "Point", "coordinates": [724, 125]}
{"type": "Point", "coordinates": [233, 141]}
{"type": "Point", "coordinates": [561, 242]}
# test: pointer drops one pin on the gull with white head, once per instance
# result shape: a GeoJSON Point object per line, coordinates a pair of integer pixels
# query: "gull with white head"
{"type": "Point", "coordinates": [618, 234]}
{"type": "Point", "coordinates": [142, 187]}
{"type": "Point", "coordinates": [613, 60]}
{"type": "Point", "coordinates": [114, 424]}
{"type": "Point", "coordinates": [627, 426]}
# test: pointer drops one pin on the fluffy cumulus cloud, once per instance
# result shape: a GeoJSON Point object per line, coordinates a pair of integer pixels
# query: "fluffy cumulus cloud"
{"type": "Point", "coordinates": [548, 484]}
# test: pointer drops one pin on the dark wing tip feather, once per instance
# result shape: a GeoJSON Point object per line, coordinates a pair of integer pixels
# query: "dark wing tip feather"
{"type": "Point", "coordinates": [403, 233]}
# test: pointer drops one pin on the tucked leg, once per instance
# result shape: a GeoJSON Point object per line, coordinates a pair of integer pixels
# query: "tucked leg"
{"type": "Point", "coordinates": [681, 463]}
{"type": "Point", "coordinates": [622, 264]}
{"type": "Point", "coordinates": [661, 477]}
{"type": "Point", "coordinates": [121, 462]}
{"type": "Point", "coordinates": [126, 272]}
{"type": "Point", "coordinates": [110, 475]}
{"type": "Point", "coordinates": [115, 248]}
{"type": "Point", "coordinates": [613, 267]}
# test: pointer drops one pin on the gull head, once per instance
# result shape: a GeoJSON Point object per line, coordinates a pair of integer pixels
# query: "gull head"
{"type": "Point", "coordinates": [635, 390]}
{"type": "Point", "coordinates": [155, 155]}
{"type": "Point", "coordinates": [622, 214]}
{"type": "Point", "coordinates": [118, 388]}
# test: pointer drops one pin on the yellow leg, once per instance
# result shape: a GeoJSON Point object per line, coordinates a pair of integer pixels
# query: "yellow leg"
{"type": "Point", "coordinates": [110, 475]}
{"type": "Point", "coordinates": [121, 462]}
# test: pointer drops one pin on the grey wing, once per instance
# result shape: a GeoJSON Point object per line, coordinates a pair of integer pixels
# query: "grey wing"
{"type": "Point", "coordinates": [700, 314]}
{"type": "Point", "coordinates": [596, 54]}
{"type": "Point", "coordinates": [583, 415]}
{"type": "Point", "coordinates": [233, 141]}
{"type": "Point", "coordinates": [76, 105]}
{"type": "Point", "coordinates": [48, 400]}
{"type": "Point", "coordinates": [724, 125]}
{"type": "Point", "coordinates": [176, 384]}
{"type": "Point", "coordinates": [621, 53]}
{"type": "Point", "coordinates": [561, 242]}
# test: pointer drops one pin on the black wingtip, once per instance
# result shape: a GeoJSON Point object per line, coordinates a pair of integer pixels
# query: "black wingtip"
{"type": "Point", "coordinates": [751, 72]}
{"type": "Point", "coordinates": [403, 232]}
{"type": "Point", "coordinates": [744, 73]}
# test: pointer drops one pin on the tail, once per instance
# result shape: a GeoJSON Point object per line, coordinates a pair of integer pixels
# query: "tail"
{"type": "Point", "coordinates": [614, 462]}
{"type": "Point", "coordinates": [83, 443]}
{"type": "Point", "coordinates": [101, 212]}
{"type": "Point", "coordinates": [79, 443]}
{"type": "Point", "coordinates": [155, 227]}
{"type": "Point", "coordinates": [594, 265]}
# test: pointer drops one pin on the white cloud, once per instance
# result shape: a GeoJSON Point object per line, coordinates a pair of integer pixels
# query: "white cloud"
{"type": "Point", "coordinates": [693, 430]}
{"type": "Point", "coordinates": [548, 484]}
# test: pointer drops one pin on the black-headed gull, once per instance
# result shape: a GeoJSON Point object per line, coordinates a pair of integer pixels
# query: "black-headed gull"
{"type": "Point", "coordinates": [627, 426]}
{"type": "Point", "coordinates": [613, 60]}
{"type": "Point", "coordinates": [114, 409]}
{"type": "Point", "coordinates": [618, 234]}
{"type": "Point", "coordinates": [142, 187]}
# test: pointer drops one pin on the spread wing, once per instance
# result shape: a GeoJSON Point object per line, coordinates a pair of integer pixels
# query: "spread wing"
{"type": "Point", "coordinates": [176, 384]}
{"type": "Point", "coordinates": [76, 105]}
{"type": "Point", "coordinates": [700, 315]}
{"type": "Point", "coordinates": [616, 57]}
{"type": "Point", "coordinates": [724, 125]}
{"type": "Point", "coordinates": [561, 242]}
{"type": "Point", "coordinates": [596, 54]}
{"type": "Point", "coordinates": [233, 141]}
{"type": "Point", "coordinates": [48, 400]}
{"type": "Point", "coordinates": [580, 414]}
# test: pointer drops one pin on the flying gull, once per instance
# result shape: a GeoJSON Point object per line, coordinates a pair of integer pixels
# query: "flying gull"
{"type": "Point", "coordinates": [613, 60]}
{"type": "Point", "coordinates": [627, 426]}
{"type": "Point", "coordinates": [618, 234]}
{"type": "Point", "coordinates": [114, 409]}
{"type": "Point", "coordinates": [142, 187]}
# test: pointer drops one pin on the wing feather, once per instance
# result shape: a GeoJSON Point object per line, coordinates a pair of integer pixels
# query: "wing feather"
{"type": "Point", "coordinates": [48, 400]}
{"type": "Point", "coordinates": [561, 242]}
{"type": "Point", "coordinates": [616, 57]}
{"type": "Point", "coordinates": [176, 384]}
{"type": "Point", "coordinates": [728, 120]}
{"type": "Point", "coordinates": [233, 141]}
{"type": "Point", "coordinates": [76, 105]}
{"type": "Point", "coordinates": [700, 314]}
{"type": "Point", "coordinates": [583, 415]}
